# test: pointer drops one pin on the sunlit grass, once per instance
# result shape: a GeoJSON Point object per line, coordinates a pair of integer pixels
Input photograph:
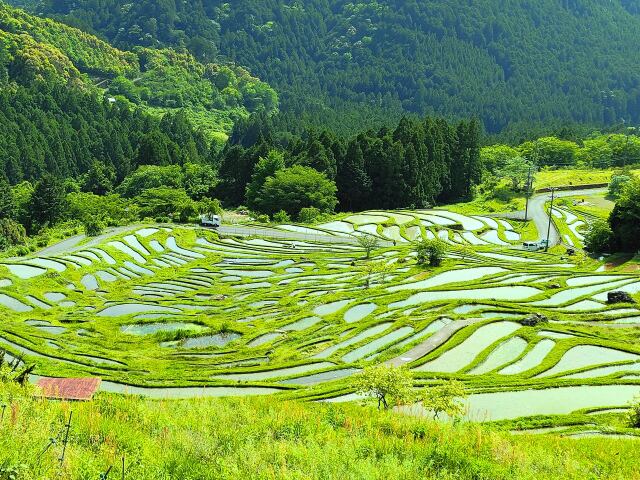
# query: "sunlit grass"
{"type": "Point", "coordinates": [267, 439]}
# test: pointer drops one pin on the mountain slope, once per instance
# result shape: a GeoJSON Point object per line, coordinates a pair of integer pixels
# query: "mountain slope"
{"type": "Point", "coordinates": [158, 80]}
{"type": "Point", "coordinates": [507, 62]}
{"type": "Point", "coordinates": [69, 100]}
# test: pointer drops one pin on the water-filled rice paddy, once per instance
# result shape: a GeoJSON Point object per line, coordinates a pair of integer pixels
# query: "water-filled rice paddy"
{"type": "Point", "coordinates": [182, 312]}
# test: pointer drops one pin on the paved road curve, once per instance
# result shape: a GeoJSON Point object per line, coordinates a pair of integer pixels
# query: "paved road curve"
{"type": "Point", "coordinates": [539, 216]}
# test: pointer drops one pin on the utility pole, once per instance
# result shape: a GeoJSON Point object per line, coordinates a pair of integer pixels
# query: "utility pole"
{"type": "Point", "coordinates": [527, 195]}
{"type": "Point", "coordinates": [553, 192]}
{"type": "Point", "coordinates": [66, 437]}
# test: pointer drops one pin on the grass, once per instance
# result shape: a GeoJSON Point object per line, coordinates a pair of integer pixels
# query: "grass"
{"type": "Point", "coordinates": [263, 439]}
{"type": "Point", "coordinates": [574, 176]}
{"type": "Point", "coordinates": [599, 206]}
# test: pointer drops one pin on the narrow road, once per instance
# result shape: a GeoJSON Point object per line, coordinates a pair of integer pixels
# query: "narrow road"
{"type": "Point", "coordinates": [75, 243]}
{"type": "Point", "coordinates": [539, 216]}
{"type": "Point", "coordinates": [78, 242]}
{"type": "Point", "coordinates": [247, 231]}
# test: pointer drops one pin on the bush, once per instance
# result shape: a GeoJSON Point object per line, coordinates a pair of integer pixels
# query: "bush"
{"type": "Point", "coordinates": [430, 252]}
{"type": "Point", "coordinates": [262, 218]}
{"type": "Point", "coordinates": [281, 217]}
{"type": "Point", "coordinates": [598, 237]}
{"type": "Point", "coordinates": [633, 417]}
{"type": "Point", "coordinates": [309, 215]}
{"type": "Point", "coordinates": [93, 228]}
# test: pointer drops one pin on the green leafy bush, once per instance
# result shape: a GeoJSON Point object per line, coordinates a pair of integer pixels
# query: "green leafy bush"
{"type": "Point", "coordinates": [598, 237]}
{"type": "Point", "coordinates": [430, 252]}
{"type": "Point", "coordinates": [93, 227]}
{"type": "Point", "coordinates": [281, 217]}
{"type": "Point", "coordinates": [309, 215]}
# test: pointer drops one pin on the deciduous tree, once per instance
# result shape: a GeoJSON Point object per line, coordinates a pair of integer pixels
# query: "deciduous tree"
{"type": "Point", "coordinates": [387, 384]}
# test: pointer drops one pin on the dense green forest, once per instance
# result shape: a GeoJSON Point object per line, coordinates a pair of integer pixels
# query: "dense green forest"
{"type": "Point", "coordinates": [351, 64]}
{"type": "Point", "coordinates": [416, 163]}
{"type": "Point", "coordinates": [158, 80]}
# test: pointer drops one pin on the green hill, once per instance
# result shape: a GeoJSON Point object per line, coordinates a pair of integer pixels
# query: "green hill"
{"type": "Point", "coordinates": [158, 80]}
{"type": "Point", "coordinates": [348, 63]}
{"type": "Point", "coordinates": [68, 99]}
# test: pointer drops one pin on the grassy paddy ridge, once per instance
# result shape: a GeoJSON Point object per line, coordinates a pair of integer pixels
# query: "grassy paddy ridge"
{"type": "Point", "coordinates": [179, 312]}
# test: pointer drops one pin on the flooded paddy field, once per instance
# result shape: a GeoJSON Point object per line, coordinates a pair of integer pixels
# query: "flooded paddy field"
{"type": "Point", "coordinates": [182, 312]}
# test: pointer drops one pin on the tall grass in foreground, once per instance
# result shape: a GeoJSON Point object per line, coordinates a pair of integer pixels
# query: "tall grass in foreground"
{"type": "Point", "coordinates": [263, 438]}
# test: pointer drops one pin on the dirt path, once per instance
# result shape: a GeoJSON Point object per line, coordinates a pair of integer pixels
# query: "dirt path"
{"type": "Point", "coordinates": [433, 342]}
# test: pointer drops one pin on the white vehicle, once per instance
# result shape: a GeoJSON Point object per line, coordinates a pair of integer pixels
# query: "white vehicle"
{"type": "Point", "coordinates": [212, 221]}
{"type": "Point", "coordinates": [535, 246]}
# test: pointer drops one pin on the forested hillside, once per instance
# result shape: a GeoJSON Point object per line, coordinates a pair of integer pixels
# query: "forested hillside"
{"type": "Point", "coordinates": [414, 164]}
{"type": "Point", "coordinates": [158, 80]}
{"type": "Point", "coordinates": [341, 63]}
{"type": "Point", "coordinates": [68, 99]}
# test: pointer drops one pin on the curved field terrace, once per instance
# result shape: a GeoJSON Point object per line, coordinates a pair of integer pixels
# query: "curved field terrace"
{"type": "Point", "coordinates": [178, 312]}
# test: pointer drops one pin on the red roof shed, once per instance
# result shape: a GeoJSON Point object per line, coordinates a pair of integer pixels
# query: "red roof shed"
{"type": "Point", "coordinates": [69, 388]}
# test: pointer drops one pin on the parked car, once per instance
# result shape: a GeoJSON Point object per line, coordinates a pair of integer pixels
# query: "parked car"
{"type": "Point", "coordinates": [535, 246]}
{"type": "Point", "coordinates": [212, 221]}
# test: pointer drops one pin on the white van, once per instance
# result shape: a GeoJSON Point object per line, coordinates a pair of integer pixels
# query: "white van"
{"type": "Point", "coordinates": [212, 221]}
{"type": "Point", "coordinates": [531, 246]}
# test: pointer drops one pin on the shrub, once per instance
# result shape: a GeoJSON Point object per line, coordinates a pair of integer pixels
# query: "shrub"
{"type": "Point", "coordinates": [598, 237]}
{"type": "Point", "coordinates": [633, 417]}
{"type": "Point", "coordinates": [281, 217]}
{"type": "Point", "coordinates": [430, 252]}
{"type": "Point", "coordinates": [309, 215]}
{"type": "Point", "coordinates": [93, 227]}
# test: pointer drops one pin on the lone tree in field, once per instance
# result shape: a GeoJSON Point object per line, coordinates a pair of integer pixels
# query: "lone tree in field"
{"type": "Point", "coordinates": [373, 271]}
{"type": "Point", "coordinates": [368, 243]}
{"type": "Point", "coordinates": [430, 252]}
{"type": "Point", "coordinates": [446, 398]}
{"type": "Point", "coordinates": [388, 385]}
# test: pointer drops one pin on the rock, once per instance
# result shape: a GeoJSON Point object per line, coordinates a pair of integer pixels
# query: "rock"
{"type": "Point", "coordinates": [554, 286]}
{"type": "Point", "coordinates": [619, 297]}
{"type": "Point", "coordinates": [533, 320]}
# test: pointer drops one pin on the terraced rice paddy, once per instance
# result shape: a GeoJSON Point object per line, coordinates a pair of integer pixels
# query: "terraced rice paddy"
{"type": "Point", "coordinates": [183, 312]}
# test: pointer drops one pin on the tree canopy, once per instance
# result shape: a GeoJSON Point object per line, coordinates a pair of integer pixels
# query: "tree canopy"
{"type": "Point", "coordinates": [347, 65]}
